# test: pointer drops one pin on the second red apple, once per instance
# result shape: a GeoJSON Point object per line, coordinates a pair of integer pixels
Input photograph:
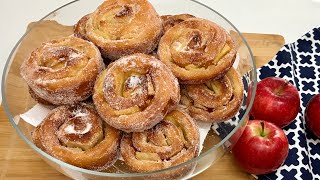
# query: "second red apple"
{"type": "Point", "coordinates": [276, 101]}
{"type": "Point", "coordinates": [312, 115]}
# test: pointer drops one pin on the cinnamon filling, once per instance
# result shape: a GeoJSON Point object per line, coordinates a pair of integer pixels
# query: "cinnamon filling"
{"type": "Point", "coordinates": [125, 11]}
{"type": "Point", "coordinates": [195, 41]}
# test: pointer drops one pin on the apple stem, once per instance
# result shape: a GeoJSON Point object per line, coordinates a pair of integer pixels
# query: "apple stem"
{"type": "Point", "coordinates": [280, 90]}
{"type": "Point", "coordinates": [262, 126]}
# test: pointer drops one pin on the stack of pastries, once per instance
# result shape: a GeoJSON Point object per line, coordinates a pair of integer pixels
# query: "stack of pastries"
{"type": "Point", "coordinates": [131, 83]}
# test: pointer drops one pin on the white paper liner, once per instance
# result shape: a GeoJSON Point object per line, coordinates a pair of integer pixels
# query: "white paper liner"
{"type": "Point", "coordinates": [36, 114]}
{"type": "Point", "coordinates": [236, 61]}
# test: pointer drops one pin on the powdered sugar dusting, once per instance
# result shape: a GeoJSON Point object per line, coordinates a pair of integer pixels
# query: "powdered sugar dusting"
{"type": "Point", "coordinates": [79, 113]}
{"type": "Point", "coordinates": [70, 129]}
{"type": "Point", "coordinates": [74, 55]}
{"type": "Point", "coordinates": [138, 91]}
{"type": "Point", "coordinates": [133, 81]}
{"type": "Point", "coordinates": [132, 61]}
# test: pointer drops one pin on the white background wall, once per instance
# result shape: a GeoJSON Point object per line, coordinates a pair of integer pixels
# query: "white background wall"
{"type": "Point", "coordinates": [290, 18]}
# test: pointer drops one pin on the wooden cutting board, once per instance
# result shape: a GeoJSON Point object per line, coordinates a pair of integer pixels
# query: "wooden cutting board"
{"type": "Point", "coordinates": [19, 161]}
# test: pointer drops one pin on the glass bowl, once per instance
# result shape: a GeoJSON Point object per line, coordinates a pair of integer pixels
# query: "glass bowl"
{"type": "Point", "coordinates": [16, 98]}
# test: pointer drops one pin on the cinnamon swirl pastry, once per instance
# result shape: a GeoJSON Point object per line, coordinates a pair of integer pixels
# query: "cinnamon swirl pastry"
{"type": "Point", "coordinates": [135, 92]}
{"type": "Point", "coordinates": [76, 135]}
{"type": "Point", "coordinates": [214, 100]}
{"type": "Point", "coordinates": [124, 27]}
{"type": "Point", "coordinates": [171, 142]}
{"type": "Point", "coordinates": [197, 50]}
{"type": "Point", "coordinates": [169, 21]}
{"type": "Point", "coordinates": [63, 71]}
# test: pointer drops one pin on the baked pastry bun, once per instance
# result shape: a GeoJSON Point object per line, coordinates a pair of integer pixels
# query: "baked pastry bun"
{"type": "Point", "coordinates": [171, 142]}
{"type": "Point", "coordinates": [63, 71]}
{"type": "Point", "coordinates": [124, 27]}
{"type": "Point", "coordinates": [77, 135]}
{"type": "Point", "coordinates": [214, 100]}
{"type": "Point", "coordinates": [197, 50]}
{"type": "Point", "coordinates": [135, 92]}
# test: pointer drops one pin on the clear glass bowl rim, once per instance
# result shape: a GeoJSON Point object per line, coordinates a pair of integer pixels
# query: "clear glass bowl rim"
{"type": "Point", "coordinates": [96, 173]}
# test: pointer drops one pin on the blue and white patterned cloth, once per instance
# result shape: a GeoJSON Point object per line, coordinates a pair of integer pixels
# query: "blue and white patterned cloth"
{"type": "Point", "coordinates": [299, 62]}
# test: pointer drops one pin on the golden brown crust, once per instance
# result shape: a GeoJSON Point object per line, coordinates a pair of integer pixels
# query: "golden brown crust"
{"type": "Point", "coordinates": [37, 98]}
{"type": "Point", "coordinates": [135, 92]}
{"type": "Point", "coordinates": [124, 27]}
{"type": "Point", "coordinates": [76, 135]}
{"type": "Point", "coordinates": [197, 50]}
{"type": "Point", "coordinates": [171, 142]}
{"type": "Point", "coordinates": [215, 100]}
{"type": "Point", "coordinates": [63, 71]}
{"type": "Point", "coordinates": [80, 28]}
{"type": "Point", "coordinates": [169, 21]}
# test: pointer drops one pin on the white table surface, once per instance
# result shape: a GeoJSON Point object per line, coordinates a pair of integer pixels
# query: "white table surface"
{"type": "Point", "coordinates": [290, 18]}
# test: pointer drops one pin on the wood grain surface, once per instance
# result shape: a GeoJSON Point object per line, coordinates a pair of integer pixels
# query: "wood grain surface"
{"type": "Point", "coordinates": [19, 161]}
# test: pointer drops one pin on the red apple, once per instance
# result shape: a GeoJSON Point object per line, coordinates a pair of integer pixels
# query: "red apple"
{"type": "Point", "coordinates": [276, 101]}
{"type": "Point", "coordinates": [262, 148]}
{"type": "Point", "coordinates": [312, 115]}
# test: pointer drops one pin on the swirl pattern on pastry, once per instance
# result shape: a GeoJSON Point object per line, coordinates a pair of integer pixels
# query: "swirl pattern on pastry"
{"type": "Point", "coordinates": [135, 92]}
{"type": "Point", "coordinates": [63, 71]}
{"type": "Point", "coordinates": [197, 50]}
{"type": "Point", "coordinates": [77, 135]}
{"type": "Point", "coordinates": [124, 27]}
{"type": "Point", "coordinates": [171, 142]}
{"type": "Point", "coordinates": [214, 100]}
{"type": "Point", "coordinates": [169, 21]}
